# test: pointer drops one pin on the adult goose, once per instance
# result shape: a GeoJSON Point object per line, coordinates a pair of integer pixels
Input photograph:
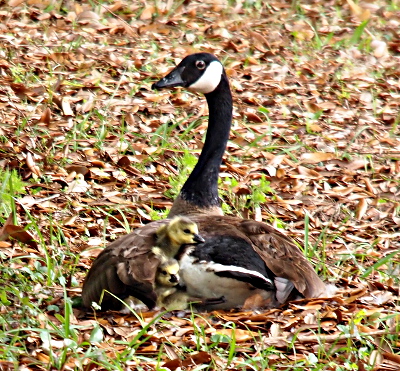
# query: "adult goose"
{"type": "Point", "coordinates": [238, 258]}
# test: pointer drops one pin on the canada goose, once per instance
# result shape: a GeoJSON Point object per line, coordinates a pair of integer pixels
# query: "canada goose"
{"type": "Point", "coordinates": [158, 268]}
{"type": "Point", "coordinates": [240, 257]}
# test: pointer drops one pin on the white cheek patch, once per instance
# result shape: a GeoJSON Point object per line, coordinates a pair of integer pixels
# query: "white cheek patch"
{"type": "Point", "coordinates": [209, 80]}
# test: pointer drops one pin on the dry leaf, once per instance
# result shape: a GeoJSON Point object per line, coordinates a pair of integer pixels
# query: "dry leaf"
{"type": "Point", "coordinates": [315, 157]}
{"type": "Point", "coordinates": [45, 118]}
{"type": "Point", "coordinates": [32, 165]}
{"type": "Point", "coordinates": [66, 107]}
{"type": "Point", "coordinates": [361, 208]}
{"type": "Point", "coordinates": [19, 234]}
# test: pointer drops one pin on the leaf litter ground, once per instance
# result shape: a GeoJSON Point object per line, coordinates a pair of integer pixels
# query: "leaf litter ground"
{"type": "Point", "coordinates": [88, 152]}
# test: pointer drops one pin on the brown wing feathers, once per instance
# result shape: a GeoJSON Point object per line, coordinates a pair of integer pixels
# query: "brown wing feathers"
{"type": "Point", "coordinates": [284, 258]}
{"type": "Point", "coordinates": [127, 267]}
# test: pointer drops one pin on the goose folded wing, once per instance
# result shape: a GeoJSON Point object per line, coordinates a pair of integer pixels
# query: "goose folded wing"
{"type": "Point", "coordinates": [127, 267]}
{"type": "Point", "coordinates": [283, 257]}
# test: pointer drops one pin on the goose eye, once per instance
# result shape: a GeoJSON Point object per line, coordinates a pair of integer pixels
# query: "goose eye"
{"type": "Point", "coordinates": [164, 273]}
{"type": "Point", "coordinates": [201, 65]}
{"type": "Point", "coordinates": [187, 231]}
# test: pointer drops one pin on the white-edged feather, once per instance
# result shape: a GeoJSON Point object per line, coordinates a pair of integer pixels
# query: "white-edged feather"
{"type": "Point", "coordinates": [233, 268]}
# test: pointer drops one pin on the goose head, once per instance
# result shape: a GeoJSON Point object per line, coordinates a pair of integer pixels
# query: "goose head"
{"type": "Point", "coordinates": [200, 72]}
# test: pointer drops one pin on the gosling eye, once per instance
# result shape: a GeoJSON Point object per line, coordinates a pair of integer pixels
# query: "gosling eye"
{"type": "Point", "coordinates": [201, 65]}
{"type": "Point", "coordinates": [164, 273]}
{"type": "Point", "coordinates": [187, 231]}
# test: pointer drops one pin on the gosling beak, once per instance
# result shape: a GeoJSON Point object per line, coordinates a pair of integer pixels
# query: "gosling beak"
{"type": "Point", "coordinates": [197, 238]}
{"type": "Point", "coordinates": [173, 278]}
{"type": "Point", "coordinates": [174, 78]}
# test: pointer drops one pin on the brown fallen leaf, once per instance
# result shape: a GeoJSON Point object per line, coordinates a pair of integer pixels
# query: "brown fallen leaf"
{"type": "Point", "coordinates": [239, 334]}
{"type": "Point", "coordinates": [195, 359]}
{"type": "Point", "coordinates": [45, 118]}
{"type": "Point", "coordinates": [361, 208]}
{"type": "Point", "coordinates": [312, 107]}
{"type": "Point", "coordinates": [21, 90]}
{"type": "Point", "coordinates": [66, 107]}
{"type": "Point", "coordinates": [309, 173]}
{"type": "Point", "coordinates": [32, 165]}
{"type": "Point", "coordinates": [361, 13]}
{"type": "Point", "coordinates": [77, 169]}
{"type": "Point", "coordinates": [315, 157]}
{"type": "Point", "coordinates": [124, 161]}
{"type": "Point", "coordinates": [252, 117]}
{"type": "Point", "coordinates": [19, 234]}
{"type": "Point", "coordinates": [9, 221]}
{"type": "Point", "coordinates": [148, 12]}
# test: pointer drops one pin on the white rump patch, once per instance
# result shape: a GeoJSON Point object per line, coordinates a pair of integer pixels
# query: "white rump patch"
{"type": "Point", "coordinates": [209, 80]}
{"type": "Point", "coordinates": [283, 288]}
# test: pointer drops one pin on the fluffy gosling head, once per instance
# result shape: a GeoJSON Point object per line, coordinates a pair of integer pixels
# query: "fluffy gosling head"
{"type": "Point", "coordinates": [168, 273]}
{"type": "Point", "coordinates": [179, 231]}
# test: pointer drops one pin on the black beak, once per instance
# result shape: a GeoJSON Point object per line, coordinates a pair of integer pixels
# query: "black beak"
{"type": "Point", "coordinates": [174, 78]}
{"type": "Point", "coordinates": [197, 238]}
{"type": "Point", "coordinates": [173, 278]}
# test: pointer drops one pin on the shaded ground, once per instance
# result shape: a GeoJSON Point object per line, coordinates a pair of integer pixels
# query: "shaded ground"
{"type": "Point", "coordinates": [315, 149]}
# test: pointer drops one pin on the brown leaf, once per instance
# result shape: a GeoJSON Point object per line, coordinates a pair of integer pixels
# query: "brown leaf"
{"type": "Point", "coordinates": [308, 172]}
{"type": "Point", "coordinates": [259, 41]}
{"type": "Point", "coordinates": [45, 118]}
{"type": "Point", "coordinates": [77, 169]}
{"type": "Point", "coordinates": [14, 3]}
{"type": "Point", "coordinates": [30, 162]}
{"type": "Point", "coordinates": [21, 90]}
{"type": "Point", "coordinates": [124, 161]}
{"type": "Point", "coordinates": [198, 359]}
{"type": "Point", "coordinates": [87, 15]}
{"type": "Point", "coordinates": [361, 208]}
{"type": "Point", "coordinates": [66, 107]}
{"type": "Point", "coordinates": [9, 221]}
{"type": "Point", "coordinates": [361, 13]}
{"type": "Point", "coordinates": [21, 235]}
{"type": "Point", "coordinates": [173, 364]}
{"type": "Point", "coordinates": [252, 117]}
{"type": "Point", "coordinates": [241, 189]}
{"type": "Point", "coordinates": [239, 334]}
{"type": "Point", "coordinates": [312, 107]}
{"type": "Point", "coordinates": [315, 157]}
{"type": "Point", "coordinates": [148, 12]}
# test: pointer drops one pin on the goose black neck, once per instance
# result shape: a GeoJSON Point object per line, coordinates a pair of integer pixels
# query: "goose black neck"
{"type": "Point", "coordinates": [201, 188]}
